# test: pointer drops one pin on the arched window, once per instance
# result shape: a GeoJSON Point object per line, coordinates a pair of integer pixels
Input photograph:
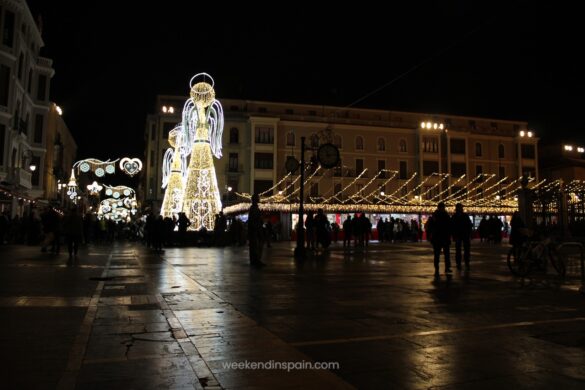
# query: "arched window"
{"type": "Point", "coordinates": [359, 143]}
{"type": "Point", "coordinates": [234, 135]}
{"type": "Point", "coordinates": [337, 141]}
{"type": "Point", "coordinates": [290, 139]}
{"type": "Point", "coordinates": [314, 141]}
{"type": "Point", "coordinates": [402, 146]}
{"type": "Point", "coordinates": [501, 151]}
{"type": "Point", "coordinates": [381, 144]}
{"type": "Point", "coordinates": [478, 149]}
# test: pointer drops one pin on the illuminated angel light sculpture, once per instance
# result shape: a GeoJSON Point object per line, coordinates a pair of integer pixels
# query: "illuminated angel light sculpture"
{"type": "Point", "coordinates": [174, 169]}
{"type": "Point", "coordinates": [198, 136]}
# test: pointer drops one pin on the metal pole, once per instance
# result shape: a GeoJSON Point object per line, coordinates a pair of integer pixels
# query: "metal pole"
{"type": "Point", "coordinates": [300, 249]}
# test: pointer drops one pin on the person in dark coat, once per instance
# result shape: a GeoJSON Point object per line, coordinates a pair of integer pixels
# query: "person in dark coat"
{"type": "Point", "coordinates": [73, 230]}
{"type": "Point", "coordinates": [439, 227]}
{"type": "Point", "coordinates": [462, 235]}
{"type": "Point", "coordinates": [347, 224]}
{"type": "Point", "coordinates": [255, 232]}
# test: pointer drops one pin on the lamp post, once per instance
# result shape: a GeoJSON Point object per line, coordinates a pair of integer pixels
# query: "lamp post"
{"type": "Point", "coordinates": [300, 249]}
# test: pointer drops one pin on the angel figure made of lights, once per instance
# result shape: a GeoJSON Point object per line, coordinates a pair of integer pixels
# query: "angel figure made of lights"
{"type": "Point", "coordinates": [193, 188]}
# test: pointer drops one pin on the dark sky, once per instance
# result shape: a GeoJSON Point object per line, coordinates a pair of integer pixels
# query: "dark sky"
{"type": "Point", "coordinates": [520, 60]}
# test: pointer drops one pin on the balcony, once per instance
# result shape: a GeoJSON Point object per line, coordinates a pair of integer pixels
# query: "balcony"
{"type": "Point", "coordinates": [20, 177]}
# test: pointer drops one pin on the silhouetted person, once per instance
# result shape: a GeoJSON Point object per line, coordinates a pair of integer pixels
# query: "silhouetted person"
{"type": "Point", "coordinates": [517, 236]}
{"type": "Point", "coordinates": [183, 223]}
{"type": "Point", "coordinates": [73, 230]}
{"type": "Point", "coordinates": [347, 224]}
{"type": "Point", "coordinates": [461, 234]}
{"type": "Point", "coordinates": [439, 227]}
{"type": "Point", "coordinates": [255, 232]}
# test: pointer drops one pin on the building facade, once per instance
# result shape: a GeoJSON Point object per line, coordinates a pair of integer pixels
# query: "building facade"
{"type": "Point", "coordinates": [24, 104]}
{"type": "Point", "coordinates": [259, 137]}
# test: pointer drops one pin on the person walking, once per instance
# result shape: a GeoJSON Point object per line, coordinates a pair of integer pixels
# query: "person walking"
{"type": "Point", "coordinates": [439, 227]}
{"type": "Point", "coordinates": [255, 232]}
{"type": "Point", "coordinates": [462, 235]}
{"type": "Point", "coordinates": [347, 224]}
{"type": "Point", "coordinates": [73, 230]}
{"type": "Point", "coordinates": [183, 223]}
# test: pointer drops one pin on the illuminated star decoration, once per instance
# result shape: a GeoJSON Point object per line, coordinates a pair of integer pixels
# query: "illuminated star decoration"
{"type": "Point", "coordinates": [94, 188]}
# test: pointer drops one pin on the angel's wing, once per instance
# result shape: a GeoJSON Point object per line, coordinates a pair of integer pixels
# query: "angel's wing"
{"type": "Point", "coordinates": [215, 122]}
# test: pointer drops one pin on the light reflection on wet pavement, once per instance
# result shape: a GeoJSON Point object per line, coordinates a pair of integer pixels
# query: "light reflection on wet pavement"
{"type": "Point", "coordinates": [125, 317]}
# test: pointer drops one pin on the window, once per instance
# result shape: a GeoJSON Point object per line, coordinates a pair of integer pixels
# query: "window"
{"type": "Point", "coordinates": [233, 162]}
{"type": "Point", "coordinates": [29, 83]}
{"type": "Point", "coordinates": [529, 171]}
{"type": "Point", "coordinates": [2, 142]}
{"type": "Point", "coordinates": [502, 172]}
{"type": "Point", "coordinates": [38, 135]}
{"type": "Point", "coordinates": [430, 145]}
{"type": "Point", "coordinates": [402, 170]}
{"type": "Point", "coordinates": [20, 66]}
{"type": "Point", "coordinates": [337, 189]}
{"type": "Point", "coordinates": [234, 135]}
{"type": "Point", "coordinates": [457, 146]}
{"type": "Point", "coordinates": [478, 170]}
{"type": "Point", "coordinates": [430, 167]}
{"type": "Point", "coordinates": [8, 30]}
{"type": "Point", "coordinates": [477, 149]}
{"type": "Point", "coordinates": [290, 139]}
{"type": "Point", "coordinates": [381, 169]}
{"type": "Point", "coordinates": [4, 85]}
{"type": "Point", "coordinates": [458, 169]}
{"type": "Point", "coordinates": [264, 135]}
{"type": "Point", "coordinates": [359, 166]}
{"type": "Point", "coordinates": [153, 133]}
{"type": "Point", "coordinates": [381, 144]}
{"type": "Point", "coordinates": [42, 88]}
{"type": "Point", "coordinates": [359, 143]}
{"type": "Point", "coordinates": [233, 182]}
{"type": "Point", "coordinates": [35, 178]}
{"type": "Point", "coordinates": [527, 151]}
{"type": "Point", "coordinates": [263, 160]}
{"type": "Point", "coordinates": [402, 146]}
{"type": "Point", "coordinates": [167, 127]}
{"type": "Point", "coordinates": [501, 151]}
{"type": "Point", "coordinates": [263, 186]}
{"type": "Point", "coordinates": [337, 141]}
{"type": "Point", "coordinates": [314, 189]}
{"type": "Point", "coordinates": [314, 139]}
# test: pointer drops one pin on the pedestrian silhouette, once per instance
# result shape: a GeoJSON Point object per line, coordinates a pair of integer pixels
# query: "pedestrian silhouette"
{"type": "Point", "coordinates": [255, 238]}
{"type": "Point", "coordinates": [439, 229]}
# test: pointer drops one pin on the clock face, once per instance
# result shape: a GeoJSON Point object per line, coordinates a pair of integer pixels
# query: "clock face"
{"type": "Point", "coordinates": [328, 155]}
{"type": "Point", "coordinates": [291, 164]}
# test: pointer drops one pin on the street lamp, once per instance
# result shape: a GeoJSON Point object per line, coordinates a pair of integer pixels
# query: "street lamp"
{"type": "Point", "coordinates": [32, 167]}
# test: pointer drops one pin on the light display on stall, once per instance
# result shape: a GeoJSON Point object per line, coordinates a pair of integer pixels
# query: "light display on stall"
{"type": "Point", "coordinates": [198, 137]}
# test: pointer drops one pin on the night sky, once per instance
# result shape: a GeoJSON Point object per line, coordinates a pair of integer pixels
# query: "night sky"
{"type": "Point", "coordinates": [516, 61]}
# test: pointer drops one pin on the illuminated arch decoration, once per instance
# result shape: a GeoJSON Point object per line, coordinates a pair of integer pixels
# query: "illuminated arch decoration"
{"type": "Point", "coordinates": [98, 167]}
{"type": "Point", "coordinates": [193, 188]}
{"type": "Point", "coordinates": [130, 166]}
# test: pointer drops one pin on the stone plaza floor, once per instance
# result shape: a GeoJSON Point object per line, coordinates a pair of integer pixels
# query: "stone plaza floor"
{"type": "Point", "coordinates": [122, 317]}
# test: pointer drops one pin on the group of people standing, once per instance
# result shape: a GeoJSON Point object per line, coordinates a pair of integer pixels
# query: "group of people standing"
{"type": "Point", "coordinates": [441, 227]}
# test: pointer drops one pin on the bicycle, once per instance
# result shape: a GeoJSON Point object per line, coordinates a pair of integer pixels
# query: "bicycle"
{"type": "Point", "coordinates": [536, 253]}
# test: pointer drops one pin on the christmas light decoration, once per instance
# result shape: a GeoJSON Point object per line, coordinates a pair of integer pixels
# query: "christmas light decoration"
{"type": "Point", "coordinates": [94, 188]}
{"type": "Point", "coordinates": [72, 187]}
{"type": "Point", "coordinates": [194, 189]}
{"type": "Point", "coordinates": [130, 166]}
{"type": "Point", "coordinates": [99, 167]}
